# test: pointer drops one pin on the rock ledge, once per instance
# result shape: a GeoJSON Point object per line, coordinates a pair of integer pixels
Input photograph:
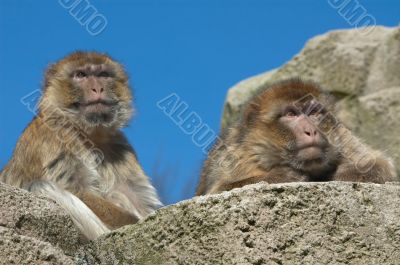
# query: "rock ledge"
{"type": "Point", "coordinates": [299, 223]}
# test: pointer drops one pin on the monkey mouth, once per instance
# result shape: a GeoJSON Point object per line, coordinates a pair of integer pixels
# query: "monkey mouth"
{"type": "Point", "coordinates": [98, 106]}
{"type": "Point", "coordinates": [101, 102]}
{"type": "Point", "coordinates": [93, 104]}
{"type": "Point", "coordinates": [99, 112]}
{"type": "Point", "coordinates": [310, 152]}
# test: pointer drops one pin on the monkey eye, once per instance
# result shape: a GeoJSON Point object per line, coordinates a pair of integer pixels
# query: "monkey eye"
{"type": "Point", "coordinates": [313, 112]}
{"type": "Point", "coordinates": [318, 110]}
{"type": "Point", "coordinates": [104, 74]}
{"type": "Point", "coordinates": [290, 112]}
{"type": "Point", "coordinates": [80, 74]}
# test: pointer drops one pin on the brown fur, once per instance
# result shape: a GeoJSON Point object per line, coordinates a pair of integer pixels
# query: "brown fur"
{"type": "Point", "coordinates": [260, 148]}
{"type": "Point", "coordinates": [64, 156]}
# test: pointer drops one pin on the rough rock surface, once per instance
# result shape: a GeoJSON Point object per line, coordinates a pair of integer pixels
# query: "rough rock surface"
{"type": "Point", "coordinates": [361, 68]}
{"type": "Point", "coordinates": [299, 223]}
{"type": "Point", "coordinates": [34, 230]}
{"type": "Point", "coordinates": [20, 250]}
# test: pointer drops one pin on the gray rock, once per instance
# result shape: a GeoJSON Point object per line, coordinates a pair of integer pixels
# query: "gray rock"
{"type": "Point", "coordinates": [299, 223]}
{"type": "Point", "coordinates": [361, 68]}
{"type": "Point", "coordinates": [32, 219]}
{"type": "Point", "coordinates": [22, 250]}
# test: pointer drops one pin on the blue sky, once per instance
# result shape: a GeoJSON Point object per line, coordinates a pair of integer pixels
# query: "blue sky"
{"type": "Point", "coordinates": [196, 49]}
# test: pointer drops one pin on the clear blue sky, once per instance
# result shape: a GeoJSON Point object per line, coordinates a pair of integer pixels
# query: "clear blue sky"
{"type": "Point", "coordinates": [196, 49]}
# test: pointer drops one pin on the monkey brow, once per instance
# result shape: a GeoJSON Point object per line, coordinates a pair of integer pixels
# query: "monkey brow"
{"type": "Point", "coordinates": [93, 68]}
{"type": "Point", "coordinates": [314, 106]}
{"type": "Point", "coordinates": [307, 107]}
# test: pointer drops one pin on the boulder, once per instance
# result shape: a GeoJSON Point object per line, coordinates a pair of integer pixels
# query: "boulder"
{"type": "Point", "coordinates": [298, 223]}
{"type": "Point", "coordinates": [34, 230]}
{"type": "Point", "coordinates": [23, 250]}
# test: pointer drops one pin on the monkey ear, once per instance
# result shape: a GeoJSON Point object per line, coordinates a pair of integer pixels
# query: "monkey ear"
{"type": "Point", "coordinates": [49, 74]}
{"type": "Point", "coordinates": [251, 112]}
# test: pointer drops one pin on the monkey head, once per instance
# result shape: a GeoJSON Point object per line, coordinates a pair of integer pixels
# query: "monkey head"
{"type": "Point", "coordinates": [287, 123]}
{"type": "Point", "coordinates": [90, 88]}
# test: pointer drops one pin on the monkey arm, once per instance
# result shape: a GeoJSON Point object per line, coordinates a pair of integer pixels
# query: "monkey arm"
{"type": "Point", "coordinates": [108, 212]}
{"type": "Point", "coordinates": [226, 186]}
{"type": "Point", "coordinates": [275, 175]}
{"type": "Point", "coordinates": [84, 218]}
{"type": "Point", "coordinates": [132, 191]}
{"type": "Point", "coordinates": [360, 162]}
{"type": "Point", "coordinates": [378, 170]}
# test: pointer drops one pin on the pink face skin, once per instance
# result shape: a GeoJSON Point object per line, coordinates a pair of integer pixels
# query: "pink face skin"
{"type": "Point", "coordinates": [96, 82]}
{"type": "Point", "coordinates": [310, 143]}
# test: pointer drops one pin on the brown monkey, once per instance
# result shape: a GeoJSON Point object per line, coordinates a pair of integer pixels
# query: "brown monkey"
{"type": "Point", "coordinates": [74, 151]}
{"type": "Point", "coordinates": [288, 132]}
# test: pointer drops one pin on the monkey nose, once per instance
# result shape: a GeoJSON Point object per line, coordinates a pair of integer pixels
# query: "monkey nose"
{"type": "Point", "coordinates": [97, 90]}
{"type": "Point", "coordinates": [311, 132]}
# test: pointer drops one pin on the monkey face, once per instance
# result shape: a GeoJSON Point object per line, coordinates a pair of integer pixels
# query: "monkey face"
{"type": "Point", "coordinates": [90, 88]}
{"type": "Point", "coordinates": [285, 121]}
{"type": "Point", "coordinates": [96, 101]}
{"type": "Point", "coordinates": [308, 147]}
